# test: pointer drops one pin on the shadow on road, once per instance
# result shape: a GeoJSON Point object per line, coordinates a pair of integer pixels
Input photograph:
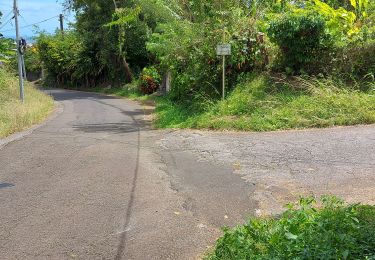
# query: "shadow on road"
{"type": "Point", "coordinates": [113, 128]}
{"type": "Point", "coordinates": [62, 95]}
{"type": "Point", "coordinates": [135, 125]}
{"type": "Point", "coordinates": [6, 185]}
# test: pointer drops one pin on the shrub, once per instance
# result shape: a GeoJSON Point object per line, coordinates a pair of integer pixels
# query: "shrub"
{"type": "Point", "coordinates": [149, 80]}
{"type": "Point", "coordinates": [304, 231]}
{"type": "Point", "coordinates": [300, 37]}
{"type": "Point", "coordinates": [188, 50]}
{"type": "Point", "coordinates": [356, 63]}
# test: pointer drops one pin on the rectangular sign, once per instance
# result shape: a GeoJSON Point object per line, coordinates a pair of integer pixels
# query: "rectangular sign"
{"type": "Point", "coordinates": [224, 49]}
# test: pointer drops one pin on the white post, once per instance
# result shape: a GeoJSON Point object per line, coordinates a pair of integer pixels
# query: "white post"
{"type": "Point", "coordinates": [223, 77]}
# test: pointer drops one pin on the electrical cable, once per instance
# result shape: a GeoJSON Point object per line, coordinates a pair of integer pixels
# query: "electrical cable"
{"type": "Point", "coordinates": [23, 18]}
{"type": "Point", "coordinates": [10, 12]}
{"type": "Point", "coordinates": [5, 24]}
{"type": "Point", "coordinates": [29, 25]}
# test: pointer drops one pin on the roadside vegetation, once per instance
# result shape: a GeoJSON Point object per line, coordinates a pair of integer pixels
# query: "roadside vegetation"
{"type": "Point", "coordinates": [261, 104]}
{"type": "Point", "coordinates": [331, 230]}
{"type": "Point", "coordinates": [294, 64]}
{"type": "Point", "coordinates": [15, 116]}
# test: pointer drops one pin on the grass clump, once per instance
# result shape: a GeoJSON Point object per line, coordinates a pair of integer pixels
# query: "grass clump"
{"type": "Point", "coordinates": [262, 103]}
{"type": "Point", "coordinates": [333, 231]}
{"type": "Point", "coordinates": [15, 116]}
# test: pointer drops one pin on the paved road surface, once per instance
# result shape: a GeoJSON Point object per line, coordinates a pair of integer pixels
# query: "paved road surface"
{"type": "Point", "coordinates": [93, 184]}
{"type": "Point", "coordinates": [97, 183]}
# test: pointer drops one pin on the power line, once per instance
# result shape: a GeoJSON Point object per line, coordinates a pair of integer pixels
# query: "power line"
{"type": "Point", "coordinates": [10, 12]}
{"type": "Point", "coordinates": [23, 18]}
{"type": "Point", "coordinates": [4, 24]}
{"type": "Point", "coordinates": [30, 25]}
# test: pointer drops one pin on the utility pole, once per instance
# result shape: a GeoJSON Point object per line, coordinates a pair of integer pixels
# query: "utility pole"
{"type": "Point", "coordinates": [61, 18]}
{"type": "Point", "coordinates": [24, 68]}
{"type": "Point", "coordinates": [223, 66]}
{"type": "Point", "coordinates": [19, 54]}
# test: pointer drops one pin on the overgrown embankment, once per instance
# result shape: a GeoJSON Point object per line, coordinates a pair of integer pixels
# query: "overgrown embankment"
{"type": "Point", "coordinates": [15, 116]}
{"type": "Point", "coordinates": [262, 103]}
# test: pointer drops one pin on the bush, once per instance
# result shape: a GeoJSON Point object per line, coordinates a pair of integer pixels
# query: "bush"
{"type": "Point", "coordinates": [188, 50]}
{"type": "Point", "coordinates": [301, 38]}
{"type": "Point", "coordinates": [149, 80]}
{"type": "Point", "coordinates": [356, 63]}
{"type": "Point", "coordinates": [304, 231]}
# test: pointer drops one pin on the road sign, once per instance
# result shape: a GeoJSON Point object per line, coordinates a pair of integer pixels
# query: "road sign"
{"type": "Point", "coordinates": [224, 49]}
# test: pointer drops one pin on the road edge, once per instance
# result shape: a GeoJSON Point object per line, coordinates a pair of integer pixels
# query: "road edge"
{"type": "Point", "coordinates": [59, 108]}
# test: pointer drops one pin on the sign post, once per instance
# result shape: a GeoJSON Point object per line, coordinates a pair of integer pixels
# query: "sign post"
{"type": "Point", "coordinates": [224, 50]}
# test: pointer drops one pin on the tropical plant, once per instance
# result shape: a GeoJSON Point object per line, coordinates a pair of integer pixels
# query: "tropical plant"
{"type": "Point", "coordinates": [304, 231]}
{"type": "Point", "coordinates": [149, 80]}
{"type": "Point", "coordinates": [301, 39]}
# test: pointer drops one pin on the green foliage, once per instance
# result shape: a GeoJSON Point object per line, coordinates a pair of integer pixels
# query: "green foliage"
{"type": "Point", "coordinates": [65, 59]}
{"type": "Point", "coordinates": [32, 60]}
{"type": "Point", "coordinates": [262, 103]}
{"type": "Point", "coordinates": [304, 231]}
{"type": "Point", "coordinates": [7, 53]}
{"type": "Point", "coordinates": [187, 48]}
{"type": "Point", "coordinates": [356, 64]}
{"type": "Point", "coordinates": [149, 80]}
{"type": "Point", "coordinates": [340, 23]}
{"type": "Point", "coordinates": [301, 38]}
{"type": "Point", "coordinates": [329, 40]}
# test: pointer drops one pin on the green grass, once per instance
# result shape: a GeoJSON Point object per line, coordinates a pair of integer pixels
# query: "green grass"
{"type": "Point", "coordinates": [260, 104]}
{"type": "Point", "coordinates": [305, 231]}
{"type": "Point", "coordinates": [15, 116]}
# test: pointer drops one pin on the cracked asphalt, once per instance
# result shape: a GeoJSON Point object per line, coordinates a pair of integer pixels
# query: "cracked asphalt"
{"type": "Point", "coordinates": [96, 182]}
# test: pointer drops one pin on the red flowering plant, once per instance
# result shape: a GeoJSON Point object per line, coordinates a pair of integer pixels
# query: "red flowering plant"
{"type": "Point", "coordinates": [149, 80]}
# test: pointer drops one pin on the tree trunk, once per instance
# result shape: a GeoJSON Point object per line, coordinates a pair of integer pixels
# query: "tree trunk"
{"type": "Point", "coordinates": [128, 73]}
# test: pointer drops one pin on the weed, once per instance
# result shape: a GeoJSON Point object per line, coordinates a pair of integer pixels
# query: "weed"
{"type": "Point", "coordinates": [305, 231]}
{"type": "Point", "coordinates": [264, 104]}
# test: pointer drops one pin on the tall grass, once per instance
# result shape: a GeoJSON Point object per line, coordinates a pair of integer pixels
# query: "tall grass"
{"type": "Point", "coordinates": [262, 103]}
{"type": "Point", "coordinates": [15, 116]}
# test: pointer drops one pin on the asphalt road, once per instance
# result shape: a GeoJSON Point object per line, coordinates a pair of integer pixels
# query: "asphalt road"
{"type": "Point", "coordinates": [95, 183]}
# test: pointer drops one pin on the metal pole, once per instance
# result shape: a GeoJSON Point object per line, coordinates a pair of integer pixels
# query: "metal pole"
{"type": "Point", "coordinates": [223, 64]}
{"type": "Point", "coordinates": [223, 77]}
{"type": "Point", "coordinates": [19, 54]}
{"type": "Point", "coordinates": [61, 23]}
{"type": "Point", "coordinates": [23, 68]}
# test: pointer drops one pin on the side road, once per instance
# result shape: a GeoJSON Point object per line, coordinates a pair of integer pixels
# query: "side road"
{"type": "Point", "coordinates": [284, 165]}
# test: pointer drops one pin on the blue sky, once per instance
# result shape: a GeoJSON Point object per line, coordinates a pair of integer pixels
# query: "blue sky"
{"type": "Point", "coordinates": [32, 11]}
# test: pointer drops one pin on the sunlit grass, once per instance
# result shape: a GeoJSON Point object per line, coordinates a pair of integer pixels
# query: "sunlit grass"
{"type": "Point", "coordinates": [261, 105]}
{"type": "Point", "coordinates": [15, 116]}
